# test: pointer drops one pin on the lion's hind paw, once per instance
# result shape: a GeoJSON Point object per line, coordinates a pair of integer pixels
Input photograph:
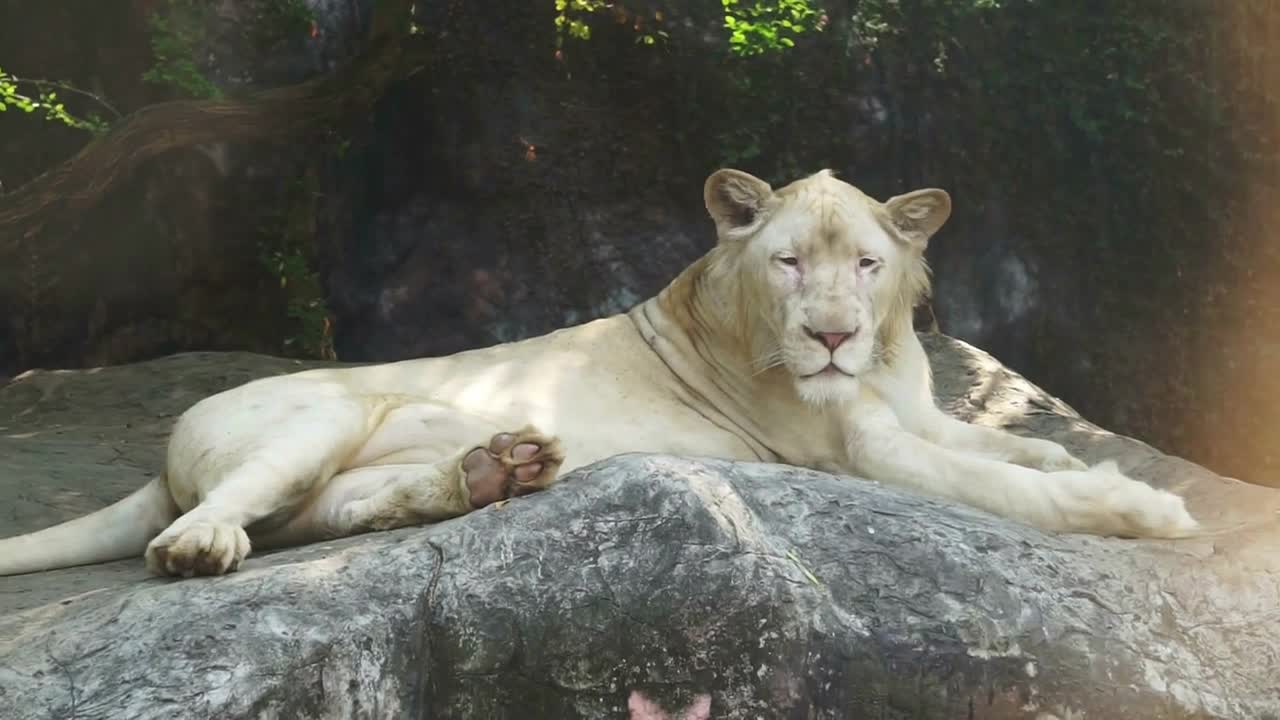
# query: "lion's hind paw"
{"type": "Point", "coordinates": [512, 464]}
{"type": "Point", "coordinates": [200, 548]}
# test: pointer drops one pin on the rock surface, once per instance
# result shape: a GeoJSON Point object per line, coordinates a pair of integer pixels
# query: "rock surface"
{"type": "Point", "coordinates": [707, 588]}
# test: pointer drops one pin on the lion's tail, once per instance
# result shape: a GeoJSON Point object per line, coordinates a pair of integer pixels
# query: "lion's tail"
{"type": "Point", "coordinates": [117, 531]}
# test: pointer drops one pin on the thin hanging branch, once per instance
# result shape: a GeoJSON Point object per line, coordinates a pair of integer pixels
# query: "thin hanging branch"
{"type": "Point", "coordinates": [42, 84]}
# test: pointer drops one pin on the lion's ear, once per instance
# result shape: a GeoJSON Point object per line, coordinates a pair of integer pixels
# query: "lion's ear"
{"type": "Point", "coordinates": [918, 215]}
{"type": "Point", "coordinates": [735, 200]}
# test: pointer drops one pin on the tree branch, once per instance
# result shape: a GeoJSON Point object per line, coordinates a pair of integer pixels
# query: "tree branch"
{"type": "Point", "coordinates": [79, 182]}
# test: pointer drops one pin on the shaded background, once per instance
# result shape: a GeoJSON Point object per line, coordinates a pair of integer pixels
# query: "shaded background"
{"type": "Point", "coordinates": [1113, 167]}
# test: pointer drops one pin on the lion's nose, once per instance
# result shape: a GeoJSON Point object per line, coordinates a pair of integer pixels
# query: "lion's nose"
{"type": "Point", "coordinates": [831, 339]}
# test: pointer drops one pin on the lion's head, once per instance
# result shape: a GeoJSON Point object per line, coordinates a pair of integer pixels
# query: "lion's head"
{"type": "Point", "coordinates": [821, 278]}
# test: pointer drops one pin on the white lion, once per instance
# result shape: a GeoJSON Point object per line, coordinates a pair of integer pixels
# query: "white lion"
{"type": "Point", "coordinates": [790, 341]}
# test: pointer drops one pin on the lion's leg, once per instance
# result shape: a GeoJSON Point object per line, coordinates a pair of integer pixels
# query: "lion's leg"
{"type": "Point", "coordinates": [210, 539]}
{"type": "Point", "coordinates": [1100, 500]}
{"type": "Point", "coordinates": [382, 497]}
{"type": "Point", "coordinates": [956, 434]}
{"type": "Point", "coordinates": [910, 390]}
{"type": "Point", "coordinates": [271, 475]}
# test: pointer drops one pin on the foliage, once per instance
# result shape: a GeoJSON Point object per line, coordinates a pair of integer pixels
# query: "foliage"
{"type": "Point", "coordinates": [570, 18]}
{"type": "Point", "coordinates": [178, 26]}
{"type": "Point", "coordinates": [757, 34]}
{"type": "Point", "coordinates": [175, 32]}
{"type": "Point", "coordinates": [757, 27]}
{"type": "Point", "coordinates": [47, 102]}
{"type": "Point", "coordinates": [1120, 93]}
{"type": "Point", "coordinates": [288, 253]}
{"type": "Point", "coordinates": [306, 303]}
{"type": "Point", "coordinates": [277, 21]}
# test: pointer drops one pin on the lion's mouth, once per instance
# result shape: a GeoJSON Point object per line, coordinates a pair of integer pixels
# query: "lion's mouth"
{"type": "Point", "coordinates": [829, 371]}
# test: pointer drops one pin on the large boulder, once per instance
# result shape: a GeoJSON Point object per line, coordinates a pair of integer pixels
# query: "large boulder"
{"type": "Point", "coordinates": [642, 587]}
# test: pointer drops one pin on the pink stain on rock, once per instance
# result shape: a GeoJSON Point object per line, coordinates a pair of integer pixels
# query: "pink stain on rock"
{"type": "Point", "coordinates": [642, 708]}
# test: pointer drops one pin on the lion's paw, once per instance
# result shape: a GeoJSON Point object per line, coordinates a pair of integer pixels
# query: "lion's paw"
{"type": "Point", "coordinates": [1049, 456]}
{"type": "Point", "coordinates": [513, 464]}
{"type": "Point", "coordinates": [200, 548]}
{"type": "Point", "coordinates": [1103, 501]}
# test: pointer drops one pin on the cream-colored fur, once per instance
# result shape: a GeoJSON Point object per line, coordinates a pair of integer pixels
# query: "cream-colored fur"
{"type": "Point", "coordinates": [790, 341]}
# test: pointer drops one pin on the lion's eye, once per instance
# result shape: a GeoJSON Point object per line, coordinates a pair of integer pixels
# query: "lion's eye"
{"type": "Point", "coordinates": [867, 263]}
{"type": "Point", "coordinates": [789, 260]}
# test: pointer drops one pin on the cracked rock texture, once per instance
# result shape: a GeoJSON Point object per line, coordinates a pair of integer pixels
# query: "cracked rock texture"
{"type": "Point", "coordinates": [778, 592]}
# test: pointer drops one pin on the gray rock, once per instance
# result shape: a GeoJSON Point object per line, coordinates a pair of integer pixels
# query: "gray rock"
{"type": "Point", "coordinates": [769, 590]}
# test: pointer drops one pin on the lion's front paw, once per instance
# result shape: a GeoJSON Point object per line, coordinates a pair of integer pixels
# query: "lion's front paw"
{"type": "Point", "coordinates": [513, 464]}
{"type": "Point", "coordinates": [1049, 456]}
{"type": "Point", "coordinates": [1103, 501]}
{"type": "Point", "coordinates": [200, 548]}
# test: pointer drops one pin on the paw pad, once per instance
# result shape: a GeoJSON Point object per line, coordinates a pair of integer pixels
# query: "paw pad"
{"type": "Point", "coordinates": [513, 464]}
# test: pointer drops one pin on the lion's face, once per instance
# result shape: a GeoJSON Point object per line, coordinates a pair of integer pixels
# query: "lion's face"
{"type": "Point", "coordinates": [825, 268]}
